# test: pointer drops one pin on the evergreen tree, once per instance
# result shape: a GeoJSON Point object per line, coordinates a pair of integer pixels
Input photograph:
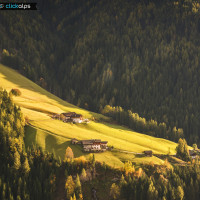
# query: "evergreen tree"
{"type": "Point", "coordinates": [25, 166]}
{"type": "Point", "coordinates": [92, 159]}
{"type": "Point", "coordinates": [195, 146]}
{"type": "Point", "coordinates": [18, 197]}
{"type": "Point", "coordinates": [180, 193]}
{"type": "Point", "coordinates": [114, 191]}
{"type": "Point", "coordinates": [17, 162]}
{"type": "Point", "coordinates": [182, 150]}
{"type": "Point", "coordinates": [152, 192]}
{"type": "Point", "coordinates": [122, 181]}
{"type": "Point", "coordinates": [78, 190]}
{"type": "Point", "coordinates": [83, 175]}
{"type": "Point", "coordinates": [74, 197]}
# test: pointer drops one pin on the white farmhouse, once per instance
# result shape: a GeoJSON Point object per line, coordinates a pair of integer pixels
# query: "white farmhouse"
{"type": "Point", "coordinates": [94, 145]}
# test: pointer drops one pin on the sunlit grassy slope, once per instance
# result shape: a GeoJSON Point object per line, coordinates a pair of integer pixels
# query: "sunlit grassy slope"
{"type": "Point", "coordinates": [54, 136]}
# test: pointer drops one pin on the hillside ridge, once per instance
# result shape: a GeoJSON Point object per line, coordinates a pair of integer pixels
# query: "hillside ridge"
{"type": "Point", "coordinates": [54, 135]}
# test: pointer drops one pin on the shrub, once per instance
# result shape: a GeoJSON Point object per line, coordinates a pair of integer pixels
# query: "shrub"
{"type": "Point", "coordinates": [16, 92]}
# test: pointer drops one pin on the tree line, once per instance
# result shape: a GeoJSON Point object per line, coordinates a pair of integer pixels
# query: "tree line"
{"type": "Point", "coordinates": [141, 125]}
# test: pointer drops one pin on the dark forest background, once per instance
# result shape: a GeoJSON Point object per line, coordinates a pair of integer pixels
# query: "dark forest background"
{"type": "Point", "coordinates": [141, 55]}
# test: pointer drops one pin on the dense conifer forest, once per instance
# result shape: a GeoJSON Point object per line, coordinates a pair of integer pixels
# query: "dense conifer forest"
{"type": "Point", "coordinates": [140, 124]}
{"type": "Point", "coordinates": [141, 55]}
{"type": "Point", "coordinates": [24, 174]}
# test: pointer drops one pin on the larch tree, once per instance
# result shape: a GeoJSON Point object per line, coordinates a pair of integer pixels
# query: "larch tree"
{"type": "Point", "coordinates": [69, 155]}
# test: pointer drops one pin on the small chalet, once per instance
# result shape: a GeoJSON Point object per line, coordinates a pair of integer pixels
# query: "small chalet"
{"type": "Point", "coordinates": [74, 141]}
{"type": "Point", "coordinates": [148, 153]}
{"type": "Point", "coordinates": [77, 118]}
{"type": "Point", "coordinates": [94, 145]}
{"type": "Point", "coordinates": [72, 117]}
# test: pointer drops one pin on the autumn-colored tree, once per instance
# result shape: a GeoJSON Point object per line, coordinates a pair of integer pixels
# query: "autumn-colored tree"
{"type": "Point", "coordinates": [69, 155]}
{"type": "Point", "coordinates": [128, 168]}
{"type": "Point", "coordinates": [139, 172]}
{"type": "Point", "coordinates": [74, 197]}
{"type": "Point", "coordinates": [80, 160]}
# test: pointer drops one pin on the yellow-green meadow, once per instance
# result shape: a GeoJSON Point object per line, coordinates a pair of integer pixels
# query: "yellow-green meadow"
{"type": "Point", "coordinates": [54, 136]}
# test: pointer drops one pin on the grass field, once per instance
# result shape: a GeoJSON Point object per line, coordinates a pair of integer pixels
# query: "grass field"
{"type": "Point", "coordinates": [54, 136]}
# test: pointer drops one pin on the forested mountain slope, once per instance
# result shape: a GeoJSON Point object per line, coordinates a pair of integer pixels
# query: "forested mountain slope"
{"type": "Point", "coordinates": [141, 55]}
{"type": "Point", "coordinates": [23, 174]}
